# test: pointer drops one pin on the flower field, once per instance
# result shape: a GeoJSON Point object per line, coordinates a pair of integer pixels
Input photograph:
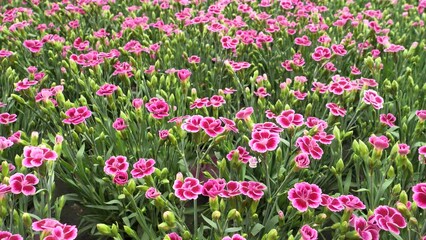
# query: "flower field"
{"type": "Point", "coordinates": [212, 120]}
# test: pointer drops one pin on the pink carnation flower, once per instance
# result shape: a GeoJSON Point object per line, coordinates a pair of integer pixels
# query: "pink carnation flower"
{"type": "Point", "coordinates": [213, 187]}
{"type": "Point", "coordinates": [158, 108]}
{"type": "Point", "coordinates": [388, 219]}
{"type": "Point", "coordinates": [78, 115]}
{"type": "Point", "coordinates": [116, 164]}
{"type": "Point", "coordinates": [120, 178]}
{"type": "Point", "coordinates": [263, 141]}
{"type": "Point", "coordinates": [6, 118]}
{"type": "Point", "coordinates": [379, 143]}
{"type": "Point", "coordinates": [309, 146]}
{"type": "Point", "coordinates": [20, 183]}
{"type": "Point", "coordinates": [119, 124]}
{"type": "Point", "coordinates": [152, 193]}
{"type": "Point", "coordinates": [305, 195]}
{"type": "Point", "coordinates": [372, 98]}
{"type": "Point", "coordinates": [35, 156]}
{"type": "Point", "coordinates": [289, 119]}
{"type": "Point", "coordinates": [33, 45]}
{"type": "Point", "coordinates": [187, 189]}
{"type": "Point", "coordinates": [212, 126]}
{"type": "Point", "coordinates": [419, 195]}
{"type": "Point", "coordinates": [388, 119]}
{"type": "Point", "coordinates": [253, 190]}
{"type": "Point", "coordinates": [308, 233]}
{"type": "Point", "coordinates": [4, 235]}
{"type": "Point", "coordinates": [234, 237]}
{"type": "Point", "coordinates": [106, 90]}
{"type": "Point", "coordinates": [143, 168]}
{"type": "Point", "coordinates": [351, 202]}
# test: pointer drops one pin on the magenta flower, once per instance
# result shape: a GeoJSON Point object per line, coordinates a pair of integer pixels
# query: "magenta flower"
{"type": "Point", "coordinates": [215, 101]}
{"type": "Point", "coordinates": [365, 230]}
{"type": "Point", "coordinates": [261, 92]}
{"type": "Point", "coordinates": [253, 190]}
{"type": "Point", "coordinates": [351, 202]}
{"type": "Point", "coordinates": [388, 119]}
{"type": "Point", "coordinates": [174, 236]}
{"type": "Point", "coordinates": [379, 143]}
{"type": "Point", "coordinates": [187, 189]}
{"type": "Point", "coordinates": [106, 90]}
{"type": "Point", "coordinates": [137, 103]}
{"type": "Point", "coordinates": [152, 193]}
{"type": "Point", "coordinates": [309, 146]}
{"type": "Point", "coordinates": [212, 126]}
{"type": "Point", "coordinates": [33, 45]}
{"type": "Point", "coordinates": [116, 164]}
{"type": "Point", "coordinates": [192, 124]}
{"type": "Point", "coordinates": [199, 103]}
{"type": "Point", "coordinates": [305, 195]}
{"type": "Point", "coordinates": [5, 53]}
{"type": "Point", "coordinates": [289, 119]}
{"type": "Point", "coordinates": [158, 108]}
{"type": "Point", "coordinates": [244, 113]}
{"type": "Point", "coordinates": [232, 189]}
{"type": "Point", "coordinates": [78, 115]}
{"type": "Point", "coordinates": [263, 141]}
{"type": "Point", "coordinates": [403, 149]}
{"type": "Point", "coordinates": [338, 49]}
{"type": "Point", "coordinates": [6, 118]}
{"type": "Point", "coordinates": [143, 168]}
{"type": "Point", "coordinates": [421, 114]}
{"type": "Point", "coordinates": [234, 237]}
{"type": "Point", "coordinates": [333, 204]}
{"type": "Point", "coordinates": [183, 74]}
{"type": "Point", "coordinates": [302, 41]}
{"type": "Point", "coordinates": [422, 153]}
{"type": "Point", "coordinates": [268, 126]}
{"type": "Point", "coordinates": [24, 84]}
{"type": "Point", "coordinates": [243, 154]}
{"type": "Point", "coordinates": [119, 124]}
{"type": "Point", "coordinates": [120, 178]}
{"type": "Point", "coordinates": [336, 110]}
{"type": "Point", "coordinates": [123, 68]}
{"type": "Point", "coordinates": [229, 124]}
{"type": "Point", "coordinates": [163, 134]}
{"type": "Point", "coordinates": [302, 160]}
{"type": "Point", "coordinates": [213, 187]}
{"type": "Point", "coordinates": [4, 235]}
{"type": "Point", "coordinates": [321, 53]}
{"type": "Point", "coordinates": [388, 219]}
{"type": "Point", "coordinates": [63, 232]}
{"type": "Point", "coordinates": [194, 59]}
{"type": "Point", "coordinates": [35, 156]}
{"type": "Point", "coordinates": [4, 189]}
{"type": "Point", "coordinates": [419, 195]}
{"type": "Point", "coordinates": [323, 137]}
{"type": "Point", "coordinates": [5, 143]}
{"type": "Point", "coordinates": [308, 233]}
{"type": "Point", "coordinates": [372, 98]}
{"type": "Point", "coordinates": [47, 224]}
{"type": "Point", "coordinates": [20, 183]}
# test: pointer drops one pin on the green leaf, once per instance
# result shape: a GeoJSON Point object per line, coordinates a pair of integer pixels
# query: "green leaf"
{"type": "Point", "coordinates": [257, 228]}
{"type": "Point", "coordinates": [210, 222]}
{"type": "Point", "coordinates": [233, 229]}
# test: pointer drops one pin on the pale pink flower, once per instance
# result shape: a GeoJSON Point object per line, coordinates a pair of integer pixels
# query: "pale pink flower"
{"type": "Point", "coordinates": [253, 190]}
{"type": "Point", "coordinates": [308, 233]}
{"type": "Point", "coordinates": [351, 202]}
{"type": "Point", "coordinates": [379, 143]}
{"type": "Point", "coordinates": [187, 189]}
{"type": "Point", "coordinates": [152, 193]}
{"type": "Point", "coordinates": [213, 187]}
{"type": "Point", "coordinates": [289, 119]}
{"type": "Point", "coordinates": [234, 237]}
{"type": "Point", "coordinates": [372, 98]}
{"type": "Point", "coordinates": [302, 160]}
{"type": "Point", "coordinates": [422, 153]}
{"type": "Point", "coordinates": [20, 183]}
{"type": "Point", "coordinates": [192, 124]}
{"type": "Point", "coordinates": [244, 113]}
{"type": "Point", "coordinates": [33, 45]}
{"type": "Point", "coordinates": [323, 137]}
{"type": "Point", "coordinates": [120, 178]}
{"type": "Point", "coordinates": [5, 53]}
{"type": "Point", "coordinates": [78, 115]}
{"type": "Point", "coordinates": [5, 143]}
{"type": "Point", "coordinates": [116, 164]}
{"type": "Point", "coordinates": [119, 124]}
{"type": "Point", "coordinates": [263, 141]}
{"type": "Point", "coordinates": [388, 119]}
{"type": "Point", "coordinates": [388, 219]}
{"type": "Point", "coordinates": [403, 149]}
{"type": "Point", "coordinates": [365, 230]}
{"type": "Point", "coordinates": [333, 204]}
{"type": "Point", "coordinates": [4, 235]}
{"type": "Point", "coordinates": [309, 146]}
{"type": "Point", "coordinates": [143, 168]}
{"type": "Point", "coordinates": [158, 108]}
{"type": "Point", "coordinates": [35, 156]}
{"type": "Point", "coordinates": [393, 48]}
{"type": "Point", "coordinates": [106, 90]}
{"type": "Point", "coordinates": [183, 74]}
{"type": "Point", "coordinates": [305, 195]}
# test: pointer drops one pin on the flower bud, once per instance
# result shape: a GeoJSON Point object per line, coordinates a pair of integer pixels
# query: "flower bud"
{"type": "Point", "coordinates": [403, 197]}
{"type": "Point", "coordinates": [169, 218]}
{"type": "Point", "coordinates": [163, 227]}
{"type": "Point", "coordinates": [129, 231]}
{"type": "Point", "coordinates": [104, 229]}
{"type": "Point", "coordinates": [216, 215]}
